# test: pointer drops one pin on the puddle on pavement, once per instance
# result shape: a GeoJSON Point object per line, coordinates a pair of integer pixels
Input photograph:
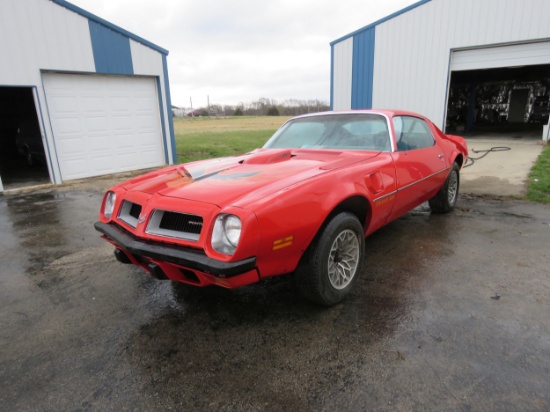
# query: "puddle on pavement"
{"type": "Point", "coordinates": [269, 335]}
{"type": "Point", "coordinates": [48, 225]}
{"type": "Point", "coordinates": [261, 347]}
{"type": "Point", "coordinates": [267, 330]}
{"type": "Point", "coordinates": [50, 238]}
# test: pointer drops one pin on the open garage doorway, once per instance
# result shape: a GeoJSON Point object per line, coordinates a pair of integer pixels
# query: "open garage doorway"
{"type": "Point", "coordinates": [22, 155]}
{"type": "Point", "coordinates": [501, 89]}
{"type": "Point", "coordinates": [504, 100]}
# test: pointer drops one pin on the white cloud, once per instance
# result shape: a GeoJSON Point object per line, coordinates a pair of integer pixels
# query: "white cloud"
{"type": "Point", "coordinates": [241, 50]}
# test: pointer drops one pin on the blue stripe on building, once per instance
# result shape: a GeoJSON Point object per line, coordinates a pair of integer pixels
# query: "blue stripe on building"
{"type": "Point", "coordinates": [376, 23]}
{"type": "Point", "coordinates": [112, 54]}
{"type": "Point", "coordinates": [363, 69]}
{"type": "Point", "coordinates": [169, 108]}
{"type": "Point", "coordinates": [331, 77]}
{"type": "Point", "coordinates": [93, 17]}
{"type": "Point", "coordinates": [162, 122]}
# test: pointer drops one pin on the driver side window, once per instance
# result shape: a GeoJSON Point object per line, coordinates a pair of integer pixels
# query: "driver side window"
{"type": "Point", "coordinates": [412, 133]}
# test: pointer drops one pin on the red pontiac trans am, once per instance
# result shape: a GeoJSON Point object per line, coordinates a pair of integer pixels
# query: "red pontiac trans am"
{"type": "Point", "coordinates": [302, 204]}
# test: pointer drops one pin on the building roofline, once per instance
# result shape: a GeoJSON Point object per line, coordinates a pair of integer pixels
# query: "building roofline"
{"type": "Point", "coordinates": [383, 20]}
{"type": "Point", "coordinates": [99, 20]}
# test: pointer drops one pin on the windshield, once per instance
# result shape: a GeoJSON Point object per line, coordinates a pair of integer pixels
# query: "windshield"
{"type": "Point", "coordinates": [337, 131]}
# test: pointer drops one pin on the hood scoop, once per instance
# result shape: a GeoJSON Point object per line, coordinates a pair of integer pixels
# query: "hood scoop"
{"type": "Point", "coordinates": [269, 156]}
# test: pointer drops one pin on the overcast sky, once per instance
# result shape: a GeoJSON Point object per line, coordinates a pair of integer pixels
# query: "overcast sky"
{"type": "Point", "coordinates": [240, 50]}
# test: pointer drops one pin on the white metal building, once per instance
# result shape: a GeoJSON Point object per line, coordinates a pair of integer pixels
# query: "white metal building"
{"type": "Point", "coordinates": [407, 60]}
{"type": "Point", "coordinates": [97, 94]}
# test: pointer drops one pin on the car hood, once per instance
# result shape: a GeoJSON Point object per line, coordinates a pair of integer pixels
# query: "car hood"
{"type": "Point", "coordinates": [252, 176]}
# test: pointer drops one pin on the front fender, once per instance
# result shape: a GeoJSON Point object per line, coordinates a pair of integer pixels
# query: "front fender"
{"type": "Point", "coordinates": [290, 220]}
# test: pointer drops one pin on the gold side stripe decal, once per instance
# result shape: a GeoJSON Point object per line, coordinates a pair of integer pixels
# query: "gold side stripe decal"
{"type": "Point", "coordinates": [426, 178]}
{"type": "Point", "coordinates": [410, 185]}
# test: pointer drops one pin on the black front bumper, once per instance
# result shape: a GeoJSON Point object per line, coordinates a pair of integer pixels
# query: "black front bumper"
{"type": "Point", "coordinates": [173, 254]}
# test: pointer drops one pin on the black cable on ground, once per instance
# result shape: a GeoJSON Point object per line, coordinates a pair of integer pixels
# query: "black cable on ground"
{"type": "Point", "coordinates": [471, 160]}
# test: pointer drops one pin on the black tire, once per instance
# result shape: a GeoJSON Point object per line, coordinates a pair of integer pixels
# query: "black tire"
{"type": "Point", "coordinates": [445, 200]}
{"type": "Point", "coordinates": [333, 262]}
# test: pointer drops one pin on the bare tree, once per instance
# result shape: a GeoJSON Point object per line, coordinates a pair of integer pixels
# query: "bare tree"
{"type": "Point", "coordinates": [265, 106]}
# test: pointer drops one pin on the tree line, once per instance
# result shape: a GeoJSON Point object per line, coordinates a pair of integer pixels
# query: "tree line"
{"type": "Point", "coordinates": [260, 107]}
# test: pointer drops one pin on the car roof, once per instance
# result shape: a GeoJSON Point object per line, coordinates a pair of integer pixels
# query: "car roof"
{"type": "Point", "coordinates": [384, 112]}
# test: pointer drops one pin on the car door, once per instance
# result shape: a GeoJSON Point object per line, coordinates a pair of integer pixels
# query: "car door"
{"type": "Point", "coordinates": [419, 163]}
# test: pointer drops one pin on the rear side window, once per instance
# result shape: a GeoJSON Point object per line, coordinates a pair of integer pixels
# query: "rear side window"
{"type": "Point", "coordinates": [412, 133]}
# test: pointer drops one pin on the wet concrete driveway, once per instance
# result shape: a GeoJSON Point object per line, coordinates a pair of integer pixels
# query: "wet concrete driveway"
{"type": "Point", "coordinates": [452, 313]}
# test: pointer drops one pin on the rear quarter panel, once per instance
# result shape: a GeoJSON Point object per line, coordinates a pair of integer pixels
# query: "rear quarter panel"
{"type": "Point", "coordinates": [454, 147]}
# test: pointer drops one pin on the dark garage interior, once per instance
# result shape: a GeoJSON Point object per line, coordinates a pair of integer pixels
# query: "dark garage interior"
{"type": "Point", "coordinates": [22, 154]}
{"type": "Point", "coordinates": [512, 100]}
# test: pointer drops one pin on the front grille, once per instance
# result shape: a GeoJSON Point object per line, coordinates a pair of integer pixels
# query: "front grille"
{"type": "Point", "coordinates": [175, 225]}
{"type": "Point", "coordinates": [129, 213]}
{"type": "Point", "coordinates": [180, 222]}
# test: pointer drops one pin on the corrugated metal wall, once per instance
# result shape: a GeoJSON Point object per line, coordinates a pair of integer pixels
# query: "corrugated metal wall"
{"type": "Point", "coordinates": [43, 35]}
{"type": "Point", "coordinates": [39, 34]}
{"type": "Point", "coordinates": [342, 70]}
{"type": "Point", "coordinates": [413, 49]}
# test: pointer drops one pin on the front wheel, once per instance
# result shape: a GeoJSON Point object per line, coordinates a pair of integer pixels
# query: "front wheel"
{"type": "Point", "coordinates": [334, 261]}
{"type": "Point", "coordinates": [445, 200]}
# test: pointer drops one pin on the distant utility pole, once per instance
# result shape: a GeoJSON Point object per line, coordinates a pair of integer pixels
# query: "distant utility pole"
{"type": "Point", "coordinates": [191, 101]}
{"type": "Point", "coordinates": [208, 104]}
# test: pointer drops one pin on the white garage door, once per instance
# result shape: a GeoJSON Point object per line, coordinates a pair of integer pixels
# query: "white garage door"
{"type": "Point", "coordinates": [104, 124]}
{"type": "Point", "coordinates": [527, 54]}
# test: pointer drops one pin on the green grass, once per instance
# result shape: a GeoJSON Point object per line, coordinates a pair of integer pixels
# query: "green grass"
{"type": "Point", "coordinates": [206, 145]}
{"type": "Point", "coordinates": [205, 138]}
{"type": "Point", "coordinates": [538, 187]}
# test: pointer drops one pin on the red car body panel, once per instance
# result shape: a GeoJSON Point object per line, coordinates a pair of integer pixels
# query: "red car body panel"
{"type": "Point", "coordinates": [281, 196]}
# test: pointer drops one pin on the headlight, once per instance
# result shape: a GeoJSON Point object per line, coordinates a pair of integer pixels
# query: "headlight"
{"type": "Point", "coordinates": [110, 199]}
{"type": "Point", "coordinates": [226, 234]}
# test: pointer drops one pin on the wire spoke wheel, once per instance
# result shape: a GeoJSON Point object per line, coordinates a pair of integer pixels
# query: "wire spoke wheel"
{"type": "Point", "coordinates": [452, 190]}
{"type": "Point", "coordinates": [445, 199]}
{"type": "Point", "coordinates": [334, 261]}
{"type": "Point", "coordinates": [343, 259]}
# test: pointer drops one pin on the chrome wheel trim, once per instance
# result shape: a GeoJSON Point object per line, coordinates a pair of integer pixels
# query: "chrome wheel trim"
{"type": "Point", "coordinates": [452, 188]}
{"type": "Point", "coordinates": [343, 259]}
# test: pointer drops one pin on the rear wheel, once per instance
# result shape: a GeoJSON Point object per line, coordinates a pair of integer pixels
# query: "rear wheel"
{"type": "Point", "coordinates": [445, 200]}
{"type": "Point", "coordinates": [334, 261]}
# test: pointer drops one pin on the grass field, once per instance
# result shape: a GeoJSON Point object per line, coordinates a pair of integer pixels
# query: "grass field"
{"type": "Point", "coordinates": [203, 138]}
